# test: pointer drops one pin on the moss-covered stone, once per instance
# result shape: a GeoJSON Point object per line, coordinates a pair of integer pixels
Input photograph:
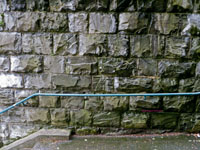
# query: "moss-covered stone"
{"type": "Point", "coordinates": [80, 118]}
{"type": "Point", "coordinates": [94, 104]}
{"type": "Point", "coordinates": [115, 103]}
{"type": "Point", "coordinates": [186, 122]}
{"type": "Point", "coordinates": [59, 117]}
{"type": "Point", "coordinates": [87, 131]}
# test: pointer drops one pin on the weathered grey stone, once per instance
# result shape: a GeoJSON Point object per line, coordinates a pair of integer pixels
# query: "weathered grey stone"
{"type": "Point", "coordinates": [69, 81]}
{"type": "Point", "coordinates": [18, 5]}
{"type": "Point", "coordinates": [93, 104]}
{"type": "Point", "coordinates": [10, 42]}
{"type": "Point", "coordinates": [60, 5]}
{"type": "Point", "coordinates": [186, 122]}
{"type": "Point", "coordinates": [56, 22]}
{"type": "Point", "coordinates": [152, 5]}
{"type": "Point", "coordinates": [65, 44]}
{"type": "Point", "coordinates": [106, 119]}
{"type": "Point", "coordinates": [147, 67]}
{"type": "Point", "coordinates": [72, 103]}
{"type": "Point", "coordinates": [59, 117]}
{"type": "Point", "coordinates": [1, 21]}
{"type": "Point", "coordinates": [179, 5]}
{"type": "Point", "coordinates": [37, 115]}
{"type": "Point", "coordinates": [87, 131]}
{"type": "Point", "coordinates": [197, 105]}
{"type": "Point", "coordinates": [26, 63]}
{"type": "Point", "coordinates": [102, 23]}
{"type": "Point", "coordinates": [158, 45]}
{"type": "Point", "coordinates": [118, 45]}
{"type": "Point", "coordinates": [179, 104]}
{"type": "Point", "coordinates": [194, 51]}
{"type": "Point", "coordinates": [115, 103]}
{"type": "Point", "coordinates": [176, 47]}
{"type": "Point", "coordinates": [133, 85]}
{"type": "Point", "coordinates": [102, 84]}
{"type": "Point", "coordinates": [164, 120]}
{"type": "Point", "coordinates": [6, 97]}
{"type": "Point", "coordinates": [3, 5]}
{"type": "Point", "coordinates": [196, 85]}
{"type": "Point", "coordinates": [140, 102]}
{"type": "Point", "coordinates": [196, 6]}
{"type": "Point", "coordinates": [15, 116]}
{"type": "Point", "coordinates": [41, 5]}
{"type": "Point", "coordinates": [10, 81]}
{"type": "Point", "coordinates": [196, 126]}
{"type": "Point", "coordinates": [18, 21]}
{"type": "Point", "coordinates": [54, 64]}
{"type": "Point", "coordinates": [80, 118]}
{"type": "Point", "coordinates": [117, 66]}
{"type": "Point", "coordinates": [78, 22]}
{"type": "Point", "coordinates": [136, 22]}
{"type": "Point", "coordinates": [4, 64]}
{"type": "Point", "coordinates": [169, 85]}
{"type": "Point", "coordinates": [81, 65]}
{"type": "Point", "coordinates": [48, 101]}
{"type": "Point", "coordinates": [132, 120]}
{"type": "Point", "coordinates": [197, 71]}
{"type": "Point", "coordinates": [37, 81]}
{"type": "Point", "coordinates": [39, 43]}
{"type": "Point", "coordinates": [192, 26]}
{"type": "Point", "coordinates": [92, 44]}
{"type": "Point", "coordinates": [123, 5]}
{"type": "Point", "coordinates": [4, 132]}
{"type": "Point", "coordinates": [186, 85]}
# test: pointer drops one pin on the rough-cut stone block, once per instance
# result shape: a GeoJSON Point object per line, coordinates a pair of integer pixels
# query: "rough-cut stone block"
{"type": "Point", "coordinates": [152, 5]}
{"type": "Point", "coordinates": [39, 43]}
{"type": "Point", "coordinates": [4, 132]}
{"type": "Point", "coordinates": [179, 104]}
{"type": "Point", "coordinates": [1, 21]}
{"type": "Point", "coordinates": [56, 22]}
{"type": "Point", "coordinates": [4, 64]}
{"type": "Point", "coordinates": [194, 51]}
{"type": "Point", "coordinates": [106, 119]}
{"type": "Point", "coordinates": [14, 116]}
{"type": "Point", "coordinates": [186, 85]}
{"type": "Point", "coordinates": [158, 45]}
{"type": "Point", "coordinates": [41, 5]}
{"type": "Point", "coordinates": [115, 103]}
{"type": "Point", "coordinates": [123, 5]}
{"type": "Point", "coordinates": [118, 45]}
{"type": "Point", "coordinates": [37, 81]}
{"type": "Point", "coordinates": [179, 5]}
{"type": "Point", "coordinates": [48, 101]}
{"type": "Point", "coordinates": [197, 69]}
{"type": "Point", "coordinates": [65, 44]}
{"type": "Point", "coordinates": [10, 81]}
{"type": "Point", "coordinates": [136, 22]}
{"type": "Point", "coordinates": [93, 104]}
{"type": "Point", "coordinates": [102, 23]}
{"type": "Point", "coordinates": [78, 22]}
{"type": "Point", "coordinates": [147, 67]}
{"type": "Point", "coordinates": [37, 115]}
{"type": "Point", "coordinates": [132, 120]}
{"type": "Point", "coordinates": [6, 97]}
{"type": "Point", "coordinates": [196, 6]}
{"type": "Point", "coordinates": [3, 5]}
{"type": "Point", "coordinates": [186, 122]}
{"type": "Point", "coordinates": [102, 84]}
{"type": "Point", "coordinates": [80, 118]}
{"type": "Point", "coordinates": [18, 5]}
{"type": "Point", "coordinates": [87, 131]}
{"type": "Point", "coordinates": [59, 117]}
{"type": "Point", "coordinates": [133, 85]}
{"type": "Point", "coordinates": [117, 66]}
{"type": "Point", "coordinates": [196, 126]}
{"type": "Point", "coordinates": [10, 42]}
{"type": "Point", "coordinates": [92, 44]}
{"type": "Point", "coordinates": [26, 63]}
{"type": "Point", "coordinates": [72, 103]}
{"type": "Point", "coordinates": [60, 5]}
{"type": "Point", "coordinates": [54, 64]}
{"type": "Point", "coordinates": [81, 65]}
{"type": "Point", "coordinates": [164, 120]}
{"type": "Point", "coordinates": [140, 102]}
{"type": "Point", "coordinates": [18, 21]}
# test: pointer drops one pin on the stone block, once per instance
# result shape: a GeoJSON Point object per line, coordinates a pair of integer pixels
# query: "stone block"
{"type": "Point", "coordinates": [164, 120]}
{"type": "Point", "coordinates": [133, 85]}
{"type": "Point", "coordinates": [37, 115]}
{"type": "Point", "coordinates": [4, 64]}
{"type": "Point", "coordinates": [48, 101]}
{"type": "Point", "coordinates": [196, 85]}
{"type": "Point", "coordinates": [10, 42]}
{"type": "Point", "coordinates": [196, 126]}
{"type": "Point", "coordinates": [194, 51]}
{"type": "Point", "coordinates": [94, 104]}
{"type": "Point", "coordinates": [65, 44]}
{"type": "Point", "coordinates": [80, 118]}
{"type": "Point", "coordinates": [102, 84]}
{"type": "Point", "coordinates": [196, 6]}
{"type": "Point", "coordinates": [186, 122]}
{"type": "Point", "coordinates": [81, 65]}
{"type": "Point", "coordinates": [37, 81]}
{"type": "Point", "coordinates": [10, 81]}
{"type": "Point", "coordinates": [39, 43]}
{"type": "Point", "coordinates": [179, 103]}
{"type": "Point", "coordinates": [118, 45]}
{"type": "Point", "coordinates": [72, 103]}
{"type": "Point", "coordinates": [186, 85]}
{"type": "Point", "coordinates": [106, 119]}
{"type": "Point", "coordinates": [123, 5]}
{"type": "Point", "coordinates": [16, 115]}
{"type": "Point", "coordinates": [40, 5]}
{"type": "Point", "coordinates": [102, 23]}
{"type": "Point", "coordinates": [22, 21]}
{"type": "Point", "coordinates": [3, 6]}
{"type": "Point", "coordinates": [87, 131]}
{"type": "Point", "coordinates": [115, 103]}
{"type": "Point", "coordinates": [59, 117]}
{"type": "Point", "coordinates": [135, 22]}
{"type": "Point", "coordinates": [92, 44]}
{"type": "Point", "coordinates": [147, 67]}
{"type": "Point", "coordinates": [132, 120]}
{"type": "Point", "coordinates": [6, 97]}
{"type": "Point", "coordinates": [197, 71]}
{"type": "Point", "coordinates": [54, 22]}
{"type": "Point", "coordinates": [26, 63]}
{"type": "Point", "coordinates": [117, 66]}
{"type": "Point", "coordinates": [152, 5]}
{"type": "Point", "coordinates": [78, 22]}
{"type": "Point", "coordinates": [179, 6]}
{"type": "Point", "coordinates": [1, 21]}
{"type": "Point", "coordinates": [54, 64]}
{"type": "Point", "coordinates": [18, 5]}
{"type": "Point", "coordinates": [60, 5]}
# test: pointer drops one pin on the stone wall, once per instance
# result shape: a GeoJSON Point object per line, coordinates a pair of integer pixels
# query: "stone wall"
{"type": "Point", "coordinates": [99, 46]}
